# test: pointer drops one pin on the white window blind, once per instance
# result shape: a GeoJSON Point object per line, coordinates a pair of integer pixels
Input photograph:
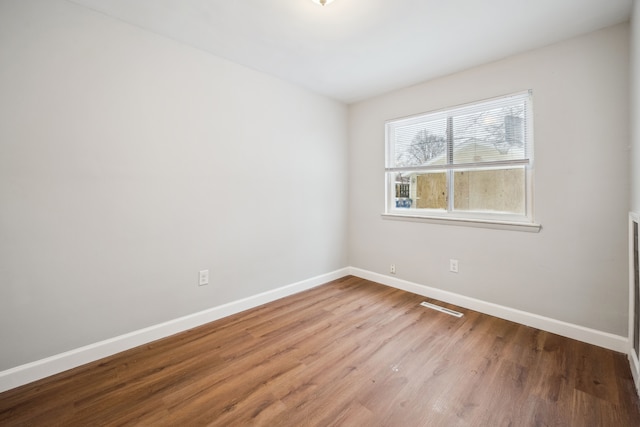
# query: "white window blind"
{"type": "Point", "coordinates": [498, 129]}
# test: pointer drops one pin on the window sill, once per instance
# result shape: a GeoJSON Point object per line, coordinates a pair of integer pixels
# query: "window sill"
{"type": "Point", "coordinates": [466, 222]}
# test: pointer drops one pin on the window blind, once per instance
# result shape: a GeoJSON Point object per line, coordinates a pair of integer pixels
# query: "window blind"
{"type": "Point", "coordinates": [483, 134]}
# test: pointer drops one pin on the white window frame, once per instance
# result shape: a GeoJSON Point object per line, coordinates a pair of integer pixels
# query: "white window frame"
{"type": "Point", "coordinates": [450, 216]}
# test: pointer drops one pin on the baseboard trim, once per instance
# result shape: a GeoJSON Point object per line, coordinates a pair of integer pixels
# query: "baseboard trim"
{"type": "Point", "coordinates": [24, 374]}
{"type": "Point", "coordinates": [580, 333]}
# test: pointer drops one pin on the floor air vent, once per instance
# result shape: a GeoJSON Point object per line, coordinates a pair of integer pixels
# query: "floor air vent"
{"type": "Point", "coordinates": [442, 309]}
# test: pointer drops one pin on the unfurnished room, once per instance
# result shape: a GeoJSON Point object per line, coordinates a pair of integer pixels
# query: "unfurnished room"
{"type": "Point", "coordinates": [320, 213]}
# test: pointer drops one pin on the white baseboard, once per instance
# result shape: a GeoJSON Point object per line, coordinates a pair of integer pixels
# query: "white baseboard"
{"type": "Point", "coordinates": [43, 368]}
{"type": "Point", "coordinates": [580, 333]}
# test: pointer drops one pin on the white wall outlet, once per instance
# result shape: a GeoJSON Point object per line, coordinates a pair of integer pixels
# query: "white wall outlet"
{"type": "Point", "coordinates": [453, 265]}
{"type": "Point", "coordinates": [203, 277]}
{"type": "Point", "coordinates": [392, 269]}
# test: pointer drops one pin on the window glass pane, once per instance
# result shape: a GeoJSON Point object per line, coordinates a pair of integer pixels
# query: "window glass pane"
{"type": "Point", "coordinates": [495, 134]}
{"type": "Point", "coordinates": [421, 190]}
{"type": "Point", "coordinates": [402, 190]}
{"type": "Point", "coordinates": [431, 190]}
{"type": "Point", "coordinates": [493, 190]}
{"type": "Point", "coordinates": [421, 144]}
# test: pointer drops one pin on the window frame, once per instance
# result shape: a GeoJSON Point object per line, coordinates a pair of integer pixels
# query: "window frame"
{"type": "Point", "coordinates": [450, 215]}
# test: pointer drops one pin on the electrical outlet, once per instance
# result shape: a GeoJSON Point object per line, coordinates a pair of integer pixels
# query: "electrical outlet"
{"type": "Point", "coordinates": [392, 269]}
{"type": "Point", "coordinates": [203, 277]}
{"type": "Point", "coordinates": [453, 265]}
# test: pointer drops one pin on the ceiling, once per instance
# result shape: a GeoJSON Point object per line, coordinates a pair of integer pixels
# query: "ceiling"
{"type": "Point", "coordinates": [355, 49]}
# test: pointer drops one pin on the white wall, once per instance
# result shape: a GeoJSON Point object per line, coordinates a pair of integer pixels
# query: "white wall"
{"type": "Point", "coordinates": [635, 107]}
{"type": "Point", "coordinates": [575, 269]}
{"type": "Point", "coordinates": [129, 162]}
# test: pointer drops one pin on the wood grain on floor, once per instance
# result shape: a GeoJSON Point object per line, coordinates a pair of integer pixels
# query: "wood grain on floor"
{"type": "Point", "coordinates": [352, 353]}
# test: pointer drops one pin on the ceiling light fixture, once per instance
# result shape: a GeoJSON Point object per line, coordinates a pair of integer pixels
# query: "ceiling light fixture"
{"type": "Point", "coordinates": [322, 2]}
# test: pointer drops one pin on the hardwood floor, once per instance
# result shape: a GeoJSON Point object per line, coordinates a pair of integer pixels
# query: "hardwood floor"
{"type": "Point", "coordinates": [351, 353]}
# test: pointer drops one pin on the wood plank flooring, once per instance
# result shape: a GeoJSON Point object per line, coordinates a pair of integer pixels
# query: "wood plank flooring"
{"type": "Point", "coordinates": [348, 353]}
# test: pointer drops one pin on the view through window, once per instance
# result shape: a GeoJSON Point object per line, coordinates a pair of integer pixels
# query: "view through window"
{"type": "Point", "coordinates": [469, 161]}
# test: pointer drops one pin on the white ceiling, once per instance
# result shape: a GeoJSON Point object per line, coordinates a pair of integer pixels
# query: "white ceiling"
{"type": "Point", "coordinates": [354, 49]}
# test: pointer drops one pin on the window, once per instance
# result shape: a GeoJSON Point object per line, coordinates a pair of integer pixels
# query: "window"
{"type": "Point", "coordinates": [471, 162]}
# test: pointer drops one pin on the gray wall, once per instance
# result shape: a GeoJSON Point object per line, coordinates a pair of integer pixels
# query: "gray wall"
{"type": "Point", "coordinates": [129, 162]}
{"type": "Point", "coordinates": [575, 269]}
